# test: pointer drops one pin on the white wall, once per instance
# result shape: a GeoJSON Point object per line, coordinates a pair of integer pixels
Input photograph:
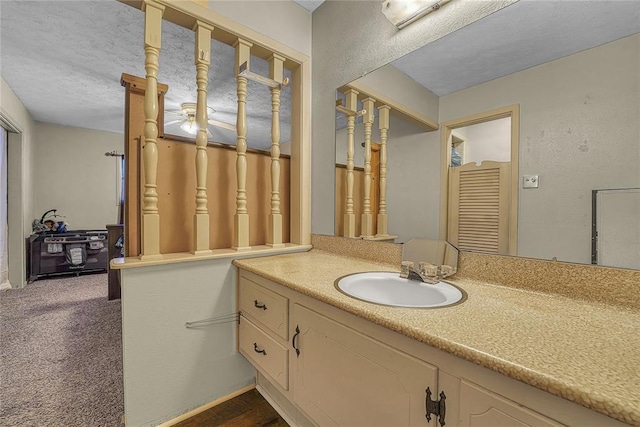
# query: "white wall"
{"type": "Point", "coordinates": [73, 175]}
{"type": "Point", "coordinates": [413, 196]}
{"type": "Point", "coordinates": [20, 183]}
{"type": "Point", "coordinates": [578, 130]}
{"type": "Point", "coordinates": [351, 38]}
{"type": "Point", "coordinates": [392, 82]}
{"type": "Point", "coordinates": [487, 141]}
{"type": "Point", "coordinates": [169, 369]}
{"type": "Point", "coordinates": [280, 20]}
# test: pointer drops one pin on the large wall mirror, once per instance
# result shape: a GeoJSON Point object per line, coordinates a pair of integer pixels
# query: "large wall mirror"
{"type": "Point", "coordinates": [518, 134]}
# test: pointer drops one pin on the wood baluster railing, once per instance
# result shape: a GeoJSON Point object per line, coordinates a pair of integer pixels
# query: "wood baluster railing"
{"type": "Point", "coordinates": [349, 216]}
{"type": "Point", "coordinates": [276, 73]}
{"type": "Point", "coordinates": [383, 124]}
{"type": "Point", "coordinates": [202, 62]}
{"type": "Point", "coordinates": [367, 216]}
{"type": "Point", "coordinates": [150, 214]}
{"type": "Point", "coordinates": [241, 218]}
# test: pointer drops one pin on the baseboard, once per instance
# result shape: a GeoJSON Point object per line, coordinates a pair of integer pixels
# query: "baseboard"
{"type": "Point", "coordinates": [5, 285]}
{"type": "Point", "coordinates": [207, 406]}
{"type": "Point", "coordinates": [275, 406]}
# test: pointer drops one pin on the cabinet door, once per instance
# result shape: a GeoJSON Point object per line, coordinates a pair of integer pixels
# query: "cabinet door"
{"type": "Point", "coordinates": [481, 408]}
{"type": "Point", "coordinates": [344, 378]}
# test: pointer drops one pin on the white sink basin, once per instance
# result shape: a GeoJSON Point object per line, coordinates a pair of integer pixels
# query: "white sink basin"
{"type": "Point", "coordinates": [390, 289]}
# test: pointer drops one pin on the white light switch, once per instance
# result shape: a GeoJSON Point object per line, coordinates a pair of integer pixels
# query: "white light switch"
{"type": "Point", "coordinates": [530, 181]}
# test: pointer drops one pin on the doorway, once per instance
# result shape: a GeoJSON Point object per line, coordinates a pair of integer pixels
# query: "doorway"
{"type": "Point", "coordinates": [479, 181]}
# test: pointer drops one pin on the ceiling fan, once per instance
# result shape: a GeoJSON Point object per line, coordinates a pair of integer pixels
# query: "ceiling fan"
{"type": "Point", "coordinates": [187, 119]}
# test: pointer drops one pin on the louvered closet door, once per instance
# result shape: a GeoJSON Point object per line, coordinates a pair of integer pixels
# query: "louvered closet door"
{"type": "Point", "coordinates": [479, 200]}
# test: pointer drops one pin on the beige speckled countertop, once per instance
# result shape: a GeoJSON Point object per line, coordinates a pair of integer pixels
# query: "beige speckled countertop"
{"type": "Point", "coordinates": [585, 352]}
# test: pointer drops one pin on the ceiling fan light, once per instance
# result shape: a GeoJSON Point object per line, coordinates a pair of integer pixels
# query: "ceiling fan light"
{"type": "Point", "coordinates": [189, 108]}
{"type": "Point", "coordinates": [190, 127]}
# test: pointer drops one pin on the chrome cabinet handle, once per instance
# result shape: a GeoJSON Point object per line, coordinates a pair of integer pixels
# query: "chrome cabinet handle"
{"type": "Point", "coordinates": [259, 305]}
{"type": "Point", "coordinates": [293, 341]}
{"type": "Point", "coordinates": [255, 348]}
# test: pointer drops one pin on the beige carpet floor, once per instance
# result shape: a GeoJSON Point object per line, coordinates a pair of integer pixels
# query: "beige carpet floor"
{"type": "Point", "coordinates": [61, 354]}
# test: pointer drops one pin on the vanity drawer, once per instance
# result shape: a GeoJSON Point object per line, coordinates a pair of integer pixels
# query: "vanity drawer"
{"type": "Point", "coordinates": [266, 354]}
{"type": "Point", "coordinates": [264, 306]}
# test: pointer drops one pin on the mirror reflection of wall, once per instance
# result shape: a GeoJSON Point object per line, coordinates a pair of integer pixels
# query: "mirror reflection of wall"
{"type": "Point", "coordinates": [409, 138]}
{"type": "Point", "coordinates": [578, 132]}
{"type": "Point", "coordinates": [579, 127]}
{"type": "Point", "coordinates": [484, 141]}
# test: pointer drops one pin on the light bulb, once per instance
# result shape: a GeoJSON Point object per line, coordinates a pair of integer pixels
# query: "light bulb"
{"type": "Point", "coordinates": [190, 126]}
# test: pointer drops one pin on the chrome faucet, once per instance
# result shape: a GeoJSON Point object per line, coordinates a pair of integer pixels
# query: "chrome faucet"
{"type": "Point", "coordinates": [427, 273]}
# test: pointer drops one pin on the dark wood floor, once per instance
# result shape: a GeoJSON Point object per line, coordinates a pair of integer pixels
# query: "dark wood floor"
{"type": "Point", "coordinates": [247, 410]}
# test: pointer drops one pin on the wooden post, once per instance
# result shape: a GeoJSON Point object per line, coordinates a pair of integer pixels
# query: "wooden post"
{"type": "Point", "coordinates": [241, 218]}
{"type": "Point", "coordinates": [150, 215]}
{"type": "Point", "coordinates": [202, 62]}
{"type": "Point", "coordinates": [276, 72]}
{"type": "Point", "coordinates": [349, 216]}
{"type": "Point", "coordinates": [383, 124]}
{"type": "Point", "coordinates": [367, 216]}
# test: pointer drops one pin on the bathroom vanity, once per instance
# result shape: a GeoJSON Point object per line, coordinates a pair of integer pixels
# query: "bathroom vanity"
{"type": "Point", "coordinates": [504, 356]}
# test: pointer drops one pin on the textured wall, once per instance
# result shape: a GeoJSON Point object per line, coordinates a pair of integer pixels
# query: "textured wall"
{"type": "Point", "coordinates": [578, 130]}
{"type": "Point", "coordinates": [20, 183]}
{"type": "Point", "coordinates": [281, 20]}
{"type": "Point", "coordinates": [351, 38]}
{"type": "Point", "coordinates": [72, 174]}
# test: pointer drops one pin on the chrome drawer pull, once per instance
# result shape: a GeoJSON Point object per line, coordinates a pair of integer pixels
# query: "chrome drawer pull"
{"type": "Point", "coordinates": [259, 305]}
{"type": "Point", "coordinates": [255, 348]}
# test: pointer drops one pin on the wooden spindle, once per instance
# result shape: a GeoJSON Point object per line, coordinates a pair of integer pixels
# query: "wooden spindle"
{"type": "Point", "coordinates": [150, 214]}
{"type": "Point", "coordinates": [276, 72]}
{"type": "Point", "coordinates": [367, 216]}
{"type": "Point", "coordinates": [202, 62]}
{"type": "Point", "coordinates": [241, 218]}
{"type": "Point", "coordinates": [349, 216]}
{"type": "Point", "coordinates": [383, 124]}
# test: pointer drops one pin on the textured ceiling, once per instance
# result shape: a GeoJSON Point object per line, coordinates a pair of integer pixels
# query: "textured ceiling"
{"type": "Point", "coordinates": [310, 5]}
{"type": "Point", "coordinates": [520, 36]}
{"type": "Point", "coordinates": [63, 59]}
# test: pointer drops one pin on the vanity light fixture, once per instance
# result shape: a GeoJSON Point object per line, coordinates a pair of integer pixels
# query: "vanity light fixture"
{"type": "Point", "coordinates": [403, 12]}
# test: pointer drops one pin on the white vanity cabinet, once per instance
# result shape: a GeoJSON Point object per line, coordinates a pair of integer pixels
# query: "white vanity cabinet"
{"type": "Point", "coordinates": [481, 408]}
{"type": "Point", "coordinates": [344, 378]}
{"type": "Point", "coordinates": [326, 367]}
